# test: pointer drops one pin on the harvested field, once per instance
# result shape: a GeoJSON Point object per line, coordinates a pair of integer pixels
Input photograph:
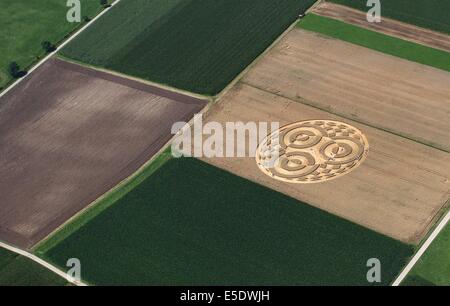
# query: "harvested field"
{"type": "Point", "coordinates": [376, 41]}
{"type": "Point", "coordinates": [397, 190]}
{"type": "Point", "coordinates": [432, 14]}
{"type": "Point", "coordinates": [68, 134]}
{"type": "Point", "coordinates": [379, 90]}
{"type": "Point", "coordinates": [387, 26]}
{"type": "Point", "coordinates": [199, 46]}
{"type": "Point", "coordinates": [205, 230]}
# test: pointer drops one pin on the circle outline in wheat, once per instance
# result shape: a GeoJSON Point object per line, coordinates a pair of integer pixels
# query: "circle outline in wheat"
{"type": "Point", "coordinates": [321, 150]}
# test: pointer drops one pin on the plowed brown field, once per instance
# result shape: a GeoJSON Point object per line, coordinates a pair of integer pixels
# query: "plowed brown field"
{"type": "Point", "coordinates": [68, 134]}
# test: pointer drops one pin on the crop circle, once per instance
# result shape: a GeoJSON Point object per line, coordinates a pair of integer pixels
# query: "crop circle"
{"type": "Point", "coordinates": [312, 151]}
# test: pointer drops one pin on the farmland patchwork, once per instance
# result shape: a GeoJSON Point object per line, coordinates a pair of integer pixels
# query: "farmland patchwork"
{"type": "Point", "coordinates": [199, 46]}
{"type": "Point", "coordinates": [353, 166]}
{"type": "Point", "coordinates": [190, 224]}
{"type": "Point", "coordinates": [64, 144]}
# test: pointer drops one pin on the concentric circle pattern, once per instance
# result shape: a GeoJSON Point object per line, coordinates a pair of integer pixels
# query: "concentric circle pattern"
{"type": "Point", "coordinates": [312, 151]}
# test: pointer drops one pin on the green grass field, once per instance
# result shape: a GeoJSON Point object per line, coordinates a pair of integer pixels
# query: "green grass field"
{"type": "Point", "coordinates": [16, 270]}
{"type": "Point", "coordinates": [199, 46]}
{"type": "Point", "coordinates": [432, 14]}
{"type": "Point", "coordinates": [433, 268]}
{"type": "Point", "coordinates": [376, 41]}
{"type": "Point", "coordinates": [189, 223]}
{"type": "Point", "coordinates": [24, 24]}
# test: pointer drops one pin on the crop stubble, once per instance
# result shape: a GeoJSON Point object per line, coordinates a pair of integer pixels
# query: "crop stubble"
{"type": "Point", "coordinates": [402, 184]}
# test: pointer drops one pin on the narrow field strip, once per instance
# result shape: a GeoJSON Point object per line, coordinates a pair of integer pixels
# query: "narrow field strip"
{"type": "Point", "coordinates": [387, 26]}
{"type": "Point", "coordinates": [96, 208]}
{"type": "Point", "coordinates": [422, 250]}
{"type": "Point", "coordinates": [157, 235]}
{"type": "Point", "coordinates": [377, 41]}
{"type": "Point", "coordinates": [431, 14]}
{"type": "Point", "coordinates": [42, 263]}
{"type": "Point", "coordinates": [50, 55]}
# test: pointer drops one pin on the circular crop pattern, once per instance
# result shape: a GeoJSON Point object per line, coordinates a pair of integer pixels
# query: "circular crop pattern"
{"type": "Point", "coordinates": [312, 151]}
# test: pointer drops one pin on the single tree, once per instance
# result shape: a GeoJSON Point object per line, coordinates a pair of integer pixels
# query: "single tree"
{"type": "Point", "coordinates": [48, 46]}
{"type": "Point", "coordinates": [104, 2]}
{"type": "Point", "coordinates": [14, 69]}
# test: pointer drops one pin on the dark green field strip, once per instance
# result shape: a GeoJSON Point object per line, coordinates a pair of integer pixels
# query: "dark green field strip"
{"type": "Point", "coordinates": [432, 14]}
{"type": "Point", "coordinates": [433, 268]}
{"type": "Point", "coordinates": [376, 41]}
{"type": "Point", "coordinates": [25, 24]}
{"type": "Point", "coordinates": [16, 270]}
{"type": "Point", "coordinates": [200, 46]}
{"type": "Point", "coordinates": [193, 224]}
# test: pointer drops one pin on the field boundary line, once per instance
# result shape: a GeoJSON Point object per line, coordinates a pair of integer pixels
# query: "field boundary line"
{"type": "Point", "coordinates": [422, 250]}
{"type": "Point", "coordinates": [58, 48]}
{"type": "Point", "coordinates": [306, 102]}
{"type": "Point", "coordinates": [132, 78]}
{"type": "Point", "coordinates": [41, 262]}
{"type": "Point", "coordinates": [260, 56]}
{"type": "Point", "coordinates": [122, 184]}
{"type": "Point", "coordinates": [382, 28]}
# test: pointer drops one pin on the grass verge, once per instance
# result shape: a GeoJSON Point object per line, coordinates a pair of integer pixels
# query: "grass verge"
{"type": "Point", "coordinates": [376, 41]}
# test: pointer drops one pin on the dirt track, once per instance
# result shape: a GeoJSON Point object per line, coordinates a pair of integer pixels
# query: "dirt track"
{"type": "Point", "coordinates": [383, 91]}
{"type": "Point", "coordinates": [68, 134]}
{"type": "Point", "coordinates": [397, 190]}
{"type": "Point", "coordinates": [387, 26]}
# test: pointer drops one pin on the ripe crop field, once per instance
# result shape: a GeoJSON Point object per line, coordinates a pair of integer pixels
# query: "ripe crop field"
{"type": "Point", "coordinates": [432, 14]}
{"type": "Point", "coordinates": [25, 24]}
{"type": "Point", "coordinates": [16, 270]}
{"type": "Point", "coordinates": [398, 96]}
{"type": "Point", "coordinates": [65, 144]}
{"type": "Point", "coordinates": [199, 46]}
{"type": "Point", "coordinates": [377, 41]}
{"type": "Point", "coordinates": [397, 190]}
{"type": "Point", "coordinates": [434, 266]}
{"type": "Point", "coordinates": [190, 224]}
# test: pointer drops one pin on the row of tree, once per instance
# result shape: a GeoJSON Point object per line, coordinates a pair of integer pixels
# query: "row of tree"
{"type": "Point", "coordinates": [14, 68]}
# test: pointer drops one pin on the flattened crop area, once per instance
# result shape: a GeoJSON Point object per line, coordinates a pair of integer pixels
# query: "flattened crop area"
{"type": "Point", "coordinates": [199, 46]}
{"type": "Point", "coordinates": [68, 134]}
{"type": "Point", "coordinates": [401, 186]}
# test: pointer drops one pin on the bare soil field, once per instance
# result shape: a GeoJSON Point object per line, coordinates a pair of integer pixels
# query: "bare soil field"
{"type": "Point", "coordinates": [402, 97]}
{"type": "Point", "coordinates": [68, 134]}
{"type": "Point", "coordinates": [387, 26]}
{"type": "Point", "coordinates": [397, 190]}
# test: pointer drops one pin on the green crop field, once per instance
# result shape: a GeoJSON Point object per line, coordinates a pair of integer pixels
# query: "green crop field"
{"type": "Point", "coordinates": [16, 270]}
{"type": "Point", "coordinates": [433, 268]}
{"type": "Point", "coordinates": [376, 41]}
{"type": "Point", "coordinates": [25, 24]}
{"type": "Point", "coordinates": [199, 46]}
{"type": "Point", "coordinates": [189, 223]}
{"type": "Point", "coordinates": [432, 14]}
